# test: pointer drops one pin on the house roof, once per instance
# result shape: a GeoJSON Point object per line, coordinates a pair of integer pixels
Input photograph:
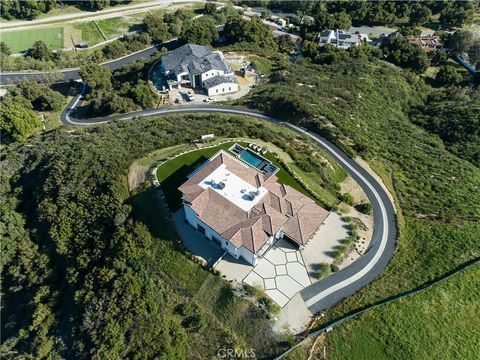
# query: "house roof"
{"type": "Point", "coordinates": [281, 208]}
{"type": "Point", "coordinates": [194, 59]}
{"type": "Point", "coordinates": [218, 80]}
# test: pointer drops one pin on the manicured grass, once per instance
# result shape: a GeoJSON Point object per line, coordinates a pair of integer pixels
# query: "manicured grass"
{"type": "Point", "coordinates": [444, 320]}
{"type": "Point", "coordinates": [22, 40]}
{"type": "Point", "coordinates": [116, 26]}
{"type": "Point", "coordinates": [90, 33]}
{"type": "Point", "coordinates": [173, 173]}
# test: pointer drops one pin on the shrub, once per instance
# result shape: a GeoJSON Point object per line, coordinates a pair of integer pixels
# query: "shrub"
{"type": "Point", "coordinates": [334, 268]}
{"type": "Point", "coordinates": [322, 271]}
{"type": "Point", "coordinates": [348, 199]}
{"type": "Point", "coordinates": [365, 208]}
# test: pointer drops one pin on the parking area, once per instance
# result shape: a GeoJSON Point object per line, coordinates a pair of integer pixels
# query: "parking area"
{"type": "Point", "coordinates": [281, 273]}
{"type": "Point", "coordinates": [196, 242]}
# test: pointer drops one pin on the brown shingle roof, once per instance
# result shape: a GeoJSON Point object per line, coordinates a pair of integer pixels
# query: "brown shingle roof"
{"type": "Point", "coordinates": [282, 207]}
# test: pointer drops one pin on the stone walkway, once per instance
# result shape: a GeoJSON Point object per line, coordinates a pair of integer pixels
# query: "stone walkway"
{"type": "Point", "coordinates": [281, 273]}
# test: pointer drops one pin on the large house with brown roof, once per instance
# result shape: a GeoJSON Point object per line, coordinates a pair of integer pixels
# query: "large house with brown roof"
{"type": "Point", "coordinates": [244, 210]}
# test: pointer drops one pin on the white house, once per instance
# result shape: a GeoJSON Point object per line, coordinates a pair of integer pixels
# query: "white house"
{"type": "Point", "coordinates": [196, 66]}
{"type": "Point", "coordinates": [244, 210]}
{"type": "Point", "coordinates": [342, 39]}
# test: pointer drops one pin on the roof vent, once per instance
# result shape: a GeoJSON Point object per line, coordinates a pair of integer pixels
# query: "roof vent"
{"type": "Point", "coordinates": [221, 185]}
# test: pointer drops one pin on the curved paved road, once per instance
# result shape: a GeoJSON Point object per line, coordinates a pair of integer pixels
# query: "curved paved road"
{"type": "Point", "coordinates": [64, 75]}
{"type": "Point", "coordinates": [347, 281]}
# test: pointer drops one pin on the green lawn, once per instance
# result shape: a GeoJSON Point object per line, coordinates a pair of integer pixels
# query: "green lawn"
{"type": "Point", "coordinates": [117, 26]}
{"type": "Point", "coordinates": [19, 41]}
{"type": "Point", "coordinates": [173, 173]}
{"type": "Point", "coordinates": [90, 33]}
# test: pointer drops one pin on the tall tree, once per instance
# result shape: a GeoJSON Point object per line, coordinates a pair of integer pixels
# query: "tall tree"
{"type": "Point", "coordinates": [156, 28]}
{"type": "Point", "coordinates": [98, 78]}
{"type": "Point", "coordinates": [40, 51]}
{"type": "Point", "coordinates": [419, 15]}
{"type": "Point", "coordinates": [458, 14]}
{"type": "Point", "coordinates": [200, 31]}
{"type": "Point", "coordinates": [18, 121]}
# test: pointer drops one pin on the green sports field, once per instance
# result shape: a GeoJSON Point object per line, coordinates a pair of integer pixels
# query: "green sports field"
{"type": "Point", "coordinates": [19, 41]}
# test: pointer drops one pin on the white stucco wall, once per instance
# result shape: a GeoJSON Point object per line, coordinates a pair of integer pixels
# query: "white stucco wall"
{"type": "Point", "coordinates": [190, 216]}
{"type": "Point", "coordinates": [193, 220]}
{"type": "Point", "coordinates": [247, 255]}
{"type": "Point", "coordinates": [223, 89]}
{"type": "Point", "coordinates": [211, 73]}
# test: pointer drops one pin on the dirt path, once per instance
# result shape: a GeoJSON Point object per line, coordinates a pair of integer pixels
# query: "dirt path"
{"type": "Point", "coordinates": [137, 174]}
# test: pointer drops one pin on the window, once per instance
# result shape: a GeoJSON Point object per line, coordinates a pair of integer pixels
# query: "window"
{"type": "Point", "coordinates": [217, 91]}
{"type": "Point", "coordinates": [226, 243]}
{"type": "Point", "coordinates": [230, 88]}
{"type": "Point", "coordinates": [201, 229]}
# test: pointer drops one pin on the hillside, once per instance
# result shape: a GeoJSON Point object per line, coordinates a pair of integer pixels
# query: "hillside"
{"type": "Point", "coordinates": [363, 107]}
{"type": "Point", "coordinates": [91, 269]}
{"type": "Point", "coordinates": [444, 320]}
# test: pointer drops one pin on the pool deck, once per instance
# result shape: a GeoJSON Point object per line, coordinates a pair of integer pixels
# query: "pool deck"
{"type": "Point", "coordinates": [261, 166]}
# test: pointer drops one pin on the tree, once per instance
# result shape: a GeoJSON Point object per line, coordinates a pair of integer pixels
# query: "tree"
{"type": "Point", "coordinates": [210, 9]}
{"type": "Point", "coordinates": [324, 21]}
{"type": "Point", "coordinates": [4, 49]}
{"type": "Point", "coordinates": [419, 15]}
{"type": "Point", "coordinates": [40, 51]}
{"type": "Point", "coordinates": [156, 28]}
{"type": "Point", "coordinates": [458, 14]}
{"type": "Point", "coordinates": [253, 31]}
{"type": "Point", "coordinates": [438, 57]}
{"type": "Point", "coordinates": [114, 49]}
{"type": "Point", "coordinates": [143, 96]}
{"type": "Point", "coordinates": [474, 53]}
{"type": "Point", "coordinates": [200, 31]}
{"type": "Point", "coordinates": [407, 30]}
{"type": "Point", "coordinates": [400, 52]}
{"type": "Point", "coordinates": [285, 44]}
{"type": "Point", "coordinates": [448, 76]}
{"type": "Point", "coordinates": [94, 5]}
{"type": "Point", "coordinates": [97, 77]}
{"type": "Point", "coordinates": [460, 41]}
{"type": "Point", "coordinates": [42, 97]}
{"type": "Point", "coordinates": [18, 121]}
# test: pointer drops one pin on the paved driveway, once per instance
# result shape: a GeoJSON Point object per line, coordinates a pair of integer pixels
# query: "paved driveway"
{"type": "Point", "coordinates": [196, 242]}
{"type": "Point", "coordinates": [281, 273]}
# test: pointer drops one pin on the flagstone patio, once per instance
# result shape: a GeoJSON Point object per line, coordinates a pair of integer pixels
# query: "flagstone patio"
{"type": "Point", "coordinates": [281, 273]}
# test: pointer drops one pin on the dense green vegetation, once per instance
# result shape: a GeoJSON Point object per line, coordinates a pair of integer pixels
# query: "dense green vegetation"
{"type": "Point", "coordinates": [28, 10]}
{"type": "Point", "coordinates": [456, 119]}
{"type": "Point", "coordinates": [340, 14]}
{"type": "Point", "coordinates": [363, 107]}
{"type": "Point", "coordinates": [93, 271]}
{"type": "Point", "coordinates": [123, 91]}
{"type": "Point", "coordinates": [17, 118]}
{"type": "Point", "coordinates": [444, 320]}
